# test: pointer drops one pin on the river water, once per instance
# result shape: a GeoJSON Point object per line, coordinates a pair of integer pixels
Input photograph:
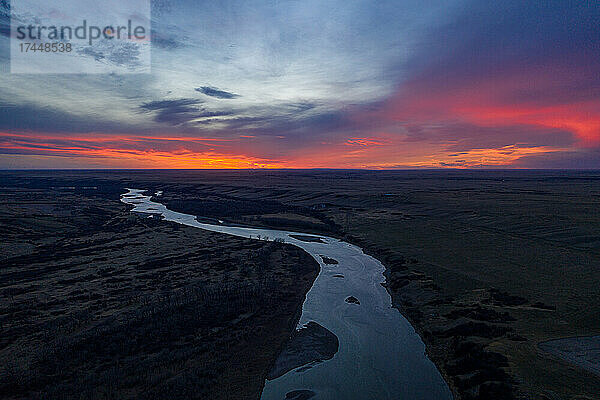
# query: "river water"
{"type": "Point", "coordinates": [380, 356]}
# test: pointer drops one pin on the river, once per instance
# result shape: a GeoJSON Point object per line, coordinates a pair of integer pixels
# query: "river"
{"type": "Point", "coordinates": [380, 356]}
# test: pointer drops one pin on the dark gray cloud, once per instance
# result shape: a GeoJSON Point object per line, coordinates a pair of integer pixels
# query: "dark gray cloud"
{"type": "Point", "coordinates": [214, 92]}
{"type": "Point", "coordinates": [181, 111]}
{"type": "Point", "coordinates": [173, 112]}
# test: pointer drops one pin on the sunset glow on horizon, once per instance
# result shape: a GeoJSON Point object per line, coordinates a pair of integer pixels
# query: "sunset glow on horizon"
{"type": "Point", "coordinates": [392, 85]}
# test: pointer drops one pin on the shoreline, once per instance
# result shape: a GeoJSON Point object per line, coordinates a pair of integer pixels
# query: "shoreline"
{"type": "Point", "coordinates": [382, 258]}
{"type": "Point", "coordinates": [129, 304]}
{"type": "Point", "coordinates": [434, 351]}
{"type": "Point", "coordinates": [469, 265]}
{"type": "Point", "coordinates": [438, 361]}
{"type": "Point", "coordinates": [398, 376]}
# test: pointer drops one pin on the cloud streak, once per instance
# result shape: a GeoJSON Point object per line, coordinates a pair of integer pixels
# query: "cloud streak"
{"type": "Point", "coordinates": [458, 84]}
{"type": "Point", "coordinates": [214, 92]}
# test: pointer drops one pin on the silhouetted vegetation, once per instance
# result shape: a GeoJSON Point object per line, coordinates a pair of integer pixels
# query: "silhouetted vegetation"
{"type": "Point", "coordinates": [97, 303]}
{"type": "Point", "coordinates": [499, 260]}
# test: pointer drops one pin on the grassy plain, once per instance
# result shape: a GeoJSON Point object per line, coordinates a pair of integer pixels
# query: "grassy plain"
{"type": "Point", "coordinates": [485, 264]}
{"type": "Point", "coordinates": [98, 303]}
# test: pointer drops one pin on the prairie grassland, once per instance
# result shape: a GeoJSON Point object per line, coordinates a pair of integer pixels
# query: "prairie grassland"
{"type": "Point", "coordinates": [96, 302]}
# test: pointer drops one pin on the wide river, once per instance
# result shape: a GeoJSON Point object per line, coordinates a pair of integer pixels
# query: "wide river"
{"type": "Point", "coordinates": [380, 356]}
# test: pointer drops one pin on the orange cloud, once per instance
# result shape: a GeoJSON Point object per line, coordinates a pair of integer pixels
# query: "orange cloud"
{"type": "Point", "coordinates": [366, 142]}
{"type": "Point", "coordinates": [499, 157]}
{"type": "Point", "coordinates": [108, 148]}
{"type": "Point", "coordinates": [378, 152]}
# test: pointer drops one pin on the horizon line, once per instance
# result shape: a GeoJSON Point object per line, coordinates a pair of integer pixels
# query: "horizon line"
{"type": "Point", "coordinates": [300, 169]}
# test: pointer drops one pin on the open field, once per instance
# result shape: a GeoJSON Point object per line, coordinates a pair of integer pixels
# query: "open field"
{"type": "Point", "coordinates": [96, 302]}
{"type": "Point", "coordinates": [486, 265]}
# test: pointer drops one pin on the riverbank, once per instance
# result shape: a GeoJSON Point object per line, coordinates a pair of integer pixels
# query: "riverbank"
{"type": "Point", "coordinates": [468, 253]}
{"type": "Point", "coordinates": [366, 334]}
{"type": "Point", "coordinates": [97, 301]}
{"type": "Point", "coordinates": [482, 263]}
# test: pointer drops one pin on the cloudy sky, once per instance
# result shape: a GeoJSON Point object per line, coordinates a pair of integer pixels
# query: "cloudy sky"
{"type": "Point", "coordinates": [325, 84]}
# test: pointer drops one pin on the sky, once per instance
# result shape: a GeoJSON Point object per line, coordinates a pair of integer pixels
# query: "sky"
{"type": "Point", "coordinates": [325, 84]}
